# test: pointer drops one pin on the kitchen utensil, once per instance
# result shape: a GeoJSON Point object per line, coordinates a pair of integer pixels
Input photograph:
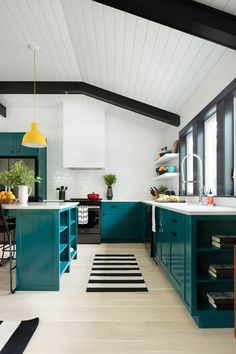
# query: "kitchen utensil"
{"type": "Point", "coordinates": [93, 196]}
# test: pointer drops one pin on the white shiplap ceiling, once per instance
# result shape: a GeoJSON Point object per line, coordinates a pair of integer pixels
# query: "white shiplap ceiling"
{"type": "Point", "coordinates": [84, 40]}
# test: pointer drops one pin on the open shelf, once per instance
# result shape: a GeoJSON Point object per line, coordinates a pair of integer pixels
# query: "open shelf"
{"type": "Point", "coordinates": [72, 237]}
{"type": "Point", "coordinates": [168, 157]}
{"type": "Point", "coordinates": [63, 266]}
{"type": "Point", "coordinates": [167, 175]}
{"type": "Point", "coordinates": [72, 222]}
{"type": "Point", "coordinates": [63, 246]}
{"type": "Point", "coordinates": [72, 254]}
{"type": "Point", "coordinates": [63, 228]}
{"type": "Point", "coordinates": [204, 305]}
{"type": "Point", "coordinates": [210, 279]}
{"type": "Point", "coordinates": [214, 249]}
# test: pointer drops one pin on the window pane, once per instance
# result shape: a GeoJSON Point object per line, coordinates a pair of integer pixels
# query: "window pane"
{"type": "Point", "coordinates": [189, 150]}
{"type": "Point", "coordinates": [210, 129]}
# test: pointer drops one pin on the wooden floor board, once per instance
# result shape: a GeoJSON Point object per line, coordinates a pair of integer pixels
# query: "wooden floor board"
{"type": "Point", "coordinates": [75, 322]}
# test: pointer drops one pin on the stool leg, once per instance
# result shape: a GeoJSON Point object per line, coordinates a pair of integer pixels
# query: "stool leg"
{"type": "Point", "coordinates": [11, 266]}
{"type": "Point", "coordinates": [3, 259]}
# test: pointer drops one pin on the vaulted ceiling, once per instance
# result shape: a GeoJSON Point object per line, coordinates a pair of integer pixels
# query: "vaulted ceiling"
{"type": "Point", "coordinates": [81, 40]}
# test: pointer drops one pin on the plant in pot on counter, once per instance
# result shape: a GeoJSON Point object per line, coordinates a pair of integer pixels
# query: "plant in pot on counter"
{"type": "Point", "coordinates": [161, 189]}
{"type": "Point", "coordinates": [109, 179]}
{"type": "Point", "coordinates": [21, 176]}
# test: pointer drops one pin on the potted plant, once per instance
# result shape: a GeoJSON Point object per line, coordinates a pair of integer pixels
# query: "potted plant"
{"type": "Point", "coordinates": [161, 190]}
{"type": "Point", "coordinates": [21, 176]}
{"type": "Point", "coordinates": [109, 179]}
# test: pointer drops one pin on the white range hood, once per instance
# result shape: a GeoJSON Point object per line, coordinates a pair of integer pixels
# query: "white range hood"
{"type": "Point", "coordinates": [83, 134]}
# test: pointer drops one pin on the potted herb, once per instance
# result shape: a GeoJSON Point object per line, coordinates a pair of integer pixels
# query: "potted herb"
{"type": "Point", "coordinates": [109, 179]}
{"type": "Point", "coordinates": [21, 176]}
{"type": "Point", "coordinates": [161, 190]}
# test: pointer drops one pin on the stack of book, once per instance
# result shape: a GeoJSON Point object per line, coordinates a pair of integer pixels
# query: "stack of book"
{"type": "Point", "coordinates": [221, 300]}
{"type": "Point", "coordinates": [223, 241]}
{"type": "Point", "coordinates": [221, 270]}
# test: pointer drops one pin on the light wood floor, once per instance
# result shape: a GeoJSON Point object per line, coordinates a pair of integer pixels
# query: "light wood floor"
{"type": "Point", "coordinates": [75, 322]}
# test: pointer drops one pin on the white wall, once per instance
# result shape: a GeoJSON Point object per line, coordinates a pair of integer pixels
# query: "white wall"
{"type": "Point", "coordinates": [132, 144]}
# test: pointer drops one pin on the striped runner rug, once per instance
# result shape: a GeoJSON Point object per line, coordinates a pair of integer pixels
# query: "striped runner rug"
{"type": "Point", "coordinates": [15, 335]}
{"type": "Point", "coordinates": [115, 273]}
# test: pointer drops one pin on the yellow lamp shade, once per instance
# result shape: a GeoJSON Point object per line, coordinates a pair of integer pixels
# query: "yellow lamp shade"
{"type": "Point", "coordinates": [34, 138]}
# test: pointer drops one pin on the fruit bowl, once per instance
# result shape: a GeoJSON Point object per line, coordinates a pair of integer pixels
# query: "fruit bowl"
{"type": "Point", "coordinates": [7, 197]}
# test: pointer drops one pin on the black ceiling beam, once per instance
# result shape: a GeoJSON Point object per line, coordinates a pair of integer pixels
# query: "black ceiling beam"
{"type": "Point", "coordinates": [68, 87]}
{"type": "Point", "coordinates": [3, 111]}
{"type": "Point", "coordinates": [188, 16]}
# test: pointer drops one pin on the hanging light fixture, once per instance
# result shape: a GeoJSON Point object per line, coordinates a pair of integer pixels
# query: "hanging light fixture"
{"type": "Point", "coordinates": [34, 138]}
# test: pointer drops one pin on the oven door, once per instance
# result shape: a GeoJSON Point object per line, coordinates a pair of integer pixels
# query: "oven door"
{"type": "Point", "coordinates": [90, 232]}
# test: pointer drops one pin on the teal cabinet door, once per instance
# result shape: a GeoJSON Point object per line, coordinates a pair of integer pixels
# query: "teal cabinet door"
{"type": "Point", "coordinates": [177, 253]}
{"type": "Point", "coordinates": [122, 222]}
{"type": "Point", "coordinates": [113, 226]}
{"type": "Point", "coordinates": [134, 220]}
{"type": "Point", "coordinates": [7, 144]}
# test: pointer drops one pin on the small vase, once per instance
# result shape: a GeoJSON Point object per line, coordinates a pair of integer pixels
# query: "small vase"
{"type": "Point", "coordinates": [24, 192]}
{"type": "Point", "coordinates": [109, 193]}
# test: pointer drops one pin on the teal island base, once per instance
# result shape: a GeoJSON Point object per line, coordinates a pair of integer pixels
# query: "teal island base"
{"type": "Point", "coordinates": [46, 243]}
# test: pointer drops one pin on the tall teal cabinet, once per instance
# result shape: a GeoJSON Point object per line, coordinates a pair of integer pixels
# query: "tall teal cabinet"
{"type": "Point", "coordinates": [10, 146]}
{"type": "Point", "coordinates": [122, 222]}
{"type": "Point", "coordinates": [183, 249]}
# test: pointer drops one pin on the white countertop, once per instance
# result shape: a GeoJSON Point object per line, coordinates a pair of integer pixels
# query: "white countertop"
{"type": "Point", "coordinates": [40, 206]}
{"type": "Point", "coordinates": [195, 209]}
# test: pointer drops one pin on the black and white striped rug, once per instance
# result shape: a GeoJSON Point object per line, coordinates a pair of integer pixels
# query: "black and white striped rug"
{"type": "Point", "coordinates": [15, 335]}
{"type": "Point", "coordinates": [115, 273]}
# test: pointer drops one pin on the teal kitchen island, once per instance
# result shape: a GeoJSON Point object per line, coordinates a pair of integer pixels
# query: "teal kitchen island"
{"type": "Point", "coordinates": [46, 243]}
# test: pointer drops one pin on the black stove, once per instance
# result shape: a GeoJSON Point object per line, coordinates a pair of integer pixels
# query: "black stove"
{"type": "Point", "coordinates": [86, 201]}
{"type": "Point", "coordinates": [89, 231]}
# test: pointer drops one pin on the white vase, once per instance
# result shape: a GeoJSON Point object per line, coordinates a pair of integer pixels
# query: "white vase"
{"type": "Point", "coordinates": [23, 194]}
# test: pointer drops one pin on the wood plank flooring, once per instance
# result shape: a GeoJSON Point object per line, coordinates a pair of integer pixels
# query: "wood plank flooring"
{"type": "Point", "coordinates": [75, 322]}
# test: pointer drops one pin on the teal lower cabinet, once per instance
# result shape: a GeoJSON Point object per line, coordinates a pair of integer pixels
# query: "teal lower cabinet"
{"type": "Point", "coordinates": [183, 249]}
{"type": "Point", "coordinates": [46, 243]}
{"type": "Point", "coordinates": [122, 222]}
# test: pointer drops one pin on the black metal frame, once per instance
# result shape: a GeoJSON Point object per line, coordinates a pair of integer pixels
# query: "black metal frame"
{"type": "Point", "coordinates": [79, 87]}
{"type": "Point", "coordinates": [187, 16]}
{"type": "Point", "coordinates": [3, 110]}
{"type": "Point", "coordinates": [222, 104]}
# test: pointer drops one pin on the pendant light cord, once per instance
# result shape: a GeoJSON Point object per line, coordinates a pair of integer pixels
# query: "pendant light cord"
{"type": "Point", "coordinates": [34, 85]}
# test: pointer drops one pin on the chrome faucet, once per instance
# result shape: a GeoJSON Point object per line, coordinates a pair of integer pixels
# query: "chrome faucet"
{"type": "Point", "coordinates": [199, 180]}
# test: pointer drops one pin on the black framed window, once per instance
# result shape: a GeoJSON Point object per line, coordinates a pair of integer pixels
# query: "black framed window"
{"type": "Point", "coordinates": [213, 140]}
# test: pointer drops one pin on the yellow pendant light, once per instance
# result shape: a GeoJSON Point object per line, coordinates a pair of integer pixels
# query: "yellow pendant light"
{"type": "Point", "coordinates": [34, 138]}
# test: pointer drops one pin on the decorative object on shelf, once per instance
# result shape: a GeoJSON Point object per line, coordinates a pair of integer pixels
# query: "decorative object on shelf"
{"type": "Point", "coordinates": [161, 169]}
{"type": "Point", "coordinates": [171, 169]}
{"type": "Point", "coordinates": [175, 147]}
{"type": "Point", "coordinates": [110, 179]}
{"type": "Point", "coordinates": [22, 177]}
{"type": "Point", "coordinates": [62, 192]}
{"type": "Point", "coordinates": [34, 138]}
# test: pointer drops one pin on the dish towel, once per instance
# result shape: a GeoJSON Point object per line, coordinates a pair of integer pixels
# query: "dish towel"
{"type": "Point", "coordinates": [153, 218]}
{"type": "Point", "coordinates": [83, 215]}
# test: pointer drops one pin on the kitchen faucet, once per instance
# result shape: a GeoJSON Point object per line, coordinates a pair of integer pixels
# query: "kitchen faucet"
{"type": "Point", "coordinates": [199, 180]}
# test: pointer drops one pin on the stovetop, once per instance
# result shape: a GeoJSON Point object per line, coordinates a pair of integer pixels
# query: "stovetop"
{"type": "Point", "coordinates": [86, 201]}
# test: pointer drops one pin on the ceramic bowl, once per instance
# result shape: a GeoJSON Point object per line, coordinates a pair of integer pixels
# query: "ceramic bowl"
{"type": "Point", "coordinates": [171, 169]}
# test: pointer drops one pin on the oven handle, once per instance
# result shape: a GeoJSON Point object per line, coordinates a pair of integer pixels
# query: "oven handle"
{"type": "Point", "coordinates": [93, 207]}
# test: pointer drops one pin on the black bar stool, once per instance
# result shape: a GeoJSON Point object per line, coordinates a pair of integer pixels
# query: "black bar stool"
{"type": "Point", "coordinates": [8, 229]}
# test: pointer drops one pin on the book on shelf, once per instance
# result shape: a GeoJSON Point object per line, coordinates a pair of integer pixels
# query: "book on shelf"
{"type": "Point", "coordinates": [222, 245]}
{"type": "Point", "coordinates": [225, 297]}
{"type": "Point", "coordinates": [220, 275]}
{"type": "Point", "coordinates": [224, 238]}
{"type": "Point", "coordinates": [221, 306]}
{"type": "Point", "coordinates": [224, 268]}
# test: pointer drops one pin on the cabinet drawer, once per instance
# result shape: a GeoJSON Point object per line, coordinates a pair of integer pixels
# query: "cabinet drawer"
{"type": "Point", "coordinates": [112, 206]}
